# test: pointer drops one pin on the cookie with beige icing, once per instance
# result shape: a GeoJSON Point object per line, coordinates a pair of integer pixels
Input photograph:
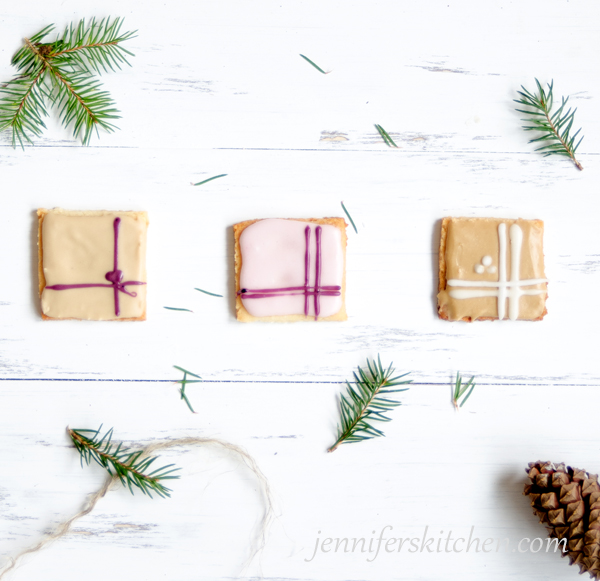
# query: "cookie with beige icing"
{"type": "Point", "coordinates": [92, 264]}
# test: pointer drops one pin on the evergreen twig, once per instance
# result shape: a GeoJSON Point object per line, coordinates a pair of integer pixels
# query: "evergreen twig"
{"type": "Point", "coordinates": [129, 467]}
{"type": "Point", "coordinates": [61, 73]}
{"type": "Point", "coordinates": [460, 389]}
{"type": "Point", "coordinates": [367, 402]}
{"type": "Point", "coordinates": [555, 126]}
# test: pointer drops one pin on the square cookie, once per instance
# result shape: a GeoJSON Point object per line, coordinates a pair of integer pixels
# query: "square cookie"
{"type": "Point", "coordinates": [92, 265]}
{"type": "Point", "coordinates": [290, 270]}
{"type": "Point", "coordinates": [491, 268]}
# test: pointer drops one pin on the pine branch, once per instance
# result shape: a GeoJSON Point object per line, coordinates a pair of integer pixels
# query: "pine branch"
{"type": "Point", "coordinates": [554, 126]}
{"type": "Point", "coordinates": [61, 73]}
{"type": "Point", "coordinates": [29, 56]}
{"type": "Point", "coordinates": [367, 402]}
{"type": "Point", "coordinates": [459, 391]}
{"type": "Point", "coordinates": [81, 102]}
{"type": "Point", "coordinates": [120, 462]}
{"type": "Point", "coordinates": [93, 48]}
{"type": "Point", "coordinates": [22, 107]}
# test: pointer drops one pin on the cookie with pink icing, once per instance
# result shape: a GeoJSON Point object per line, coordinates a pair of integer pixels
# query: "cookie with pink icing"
{"type": "Point", "coordinates": [290, 270]}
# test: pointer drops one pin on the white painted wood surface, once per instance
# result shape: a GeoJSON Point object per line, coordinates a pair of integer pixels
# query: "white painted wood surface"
{"type": "Point", "coordinates": [218, 87]}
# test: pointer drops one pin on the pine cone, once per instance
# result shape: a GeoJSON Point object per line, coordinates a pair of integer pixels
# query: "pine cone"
{"type": "Point", "coordinates": [567, 501]}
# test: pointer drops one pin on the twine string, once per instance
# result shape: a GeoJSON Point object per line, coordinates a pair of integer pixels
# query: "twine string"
{"type": "Point", "coordinates": [65, 527]}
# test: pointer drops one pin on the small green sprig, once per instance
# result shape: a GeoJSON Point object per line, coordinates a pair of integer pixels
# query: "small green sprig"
{"type": "Point", "coordinates": [207, 293]}
{"type": "Point", "coordinates": [349, 217]}
{"type": "Point", "coordinates": [460, 390]}
{"type": "Point", "coordinates": [61, 74]}
{"type": "Point", "coordinates": [210, 179]}
{"type": "Point", "coordinates": [367, 402]}
{"type": "Point", "coordinates": [555, 126]}
{"type": "Point", "coordinates": [129, 467]}
{"type": "Point", "coordinates": [385, 136]}
{"type": "Point", "coordinates": [184, 382]}
{"type": "Point", "coordinates": [314, 65]}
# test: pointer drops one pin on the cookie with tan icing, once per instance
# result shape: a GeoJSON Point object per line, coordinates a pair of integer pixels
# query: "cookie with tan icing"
{"type": "Point", "coordinates": [92, 264]}
{"type": "Point", "coordinates": [491, 268]}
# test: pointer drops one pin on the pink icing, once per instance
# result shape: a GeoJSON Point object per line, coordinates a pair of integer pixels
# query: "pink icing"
{"type": "Point", "coordinates": [277, 268]}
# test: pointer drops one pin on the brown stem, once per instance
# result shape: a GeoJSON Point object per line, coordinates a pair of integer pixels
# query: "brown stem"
{"type": "Point", "coordinates": [55, 72]}
{"type": "Point", "coordinates": [76, 48]}
{"type": "Point", "coordinates": [70, 89]}
{"type": "Point", "coordinates": [75, 436]}
{"type": "Point", "coordinates": [349, 430]}
{"type": "Point", "coordinates": [563, 143]}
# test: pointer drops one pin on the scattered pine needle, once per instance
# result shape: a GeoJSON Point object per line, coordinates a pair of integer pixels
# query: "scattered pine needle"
{"type": "Point", "coordinates": [315, 65]}
{"type": "Point", "coordinates": [184, 382]}
{"type": "Point", "coordinates": [186, 371]}
{"type": "Point", "coordinates": [177, 309]}
{"type": "Point", "coordinates": [385, 136]}
{"type": "Point", "coordinates": [210, 179]}
{"type": "Point", "coordinates": [207, 293]}
{"type": "Point", "coordinates": [460, 390]}
{"type": "Point", "coordinates": [349, 218]}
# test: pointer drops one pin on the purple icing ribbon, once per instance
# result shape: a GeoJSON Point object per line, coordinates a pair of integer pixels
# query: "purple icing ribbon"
{"type": "Point", "coordinates": [316, 292]}
{"type": "Point", "coordinates": [115, 276]}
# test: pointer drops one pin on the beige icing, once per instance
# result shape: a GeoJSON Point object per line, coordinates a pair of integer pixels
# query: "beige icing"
{"type": "Point", "coordinates": [77, 248]}
{"type": "Point", "coordinates": [468, 242]}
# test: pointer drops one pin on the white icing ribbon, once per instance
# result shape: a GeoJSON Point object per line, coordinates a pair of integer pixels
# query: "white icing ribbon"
{"type": "Point", "coordinates": [503, 289]}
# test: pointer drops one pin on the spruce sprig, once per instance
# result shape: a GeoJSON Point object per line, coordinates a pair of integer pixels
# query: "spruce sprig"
{"type": "Point", "coordinates": [367, 402]}
{"type": "Point", "coordinates": [554, 126]}
{"type": "Point", "coordinates": [61, 73]}
{"type": "Point", "coordinates": [121, 462]}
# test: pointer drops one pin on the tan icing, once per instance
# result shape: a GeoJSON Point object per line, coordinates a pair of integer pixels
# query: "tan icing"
{"type": "Point", "coordinates": [77, 249]}
{"type": "Point", "coordinates": [467, 241]}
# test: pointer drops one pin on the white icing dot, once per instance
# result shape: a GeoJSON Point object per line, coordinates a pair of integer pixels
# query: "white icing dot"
{"type": "Point", "coordinates": [479, 269]}
{"type": "Point", "coordinates": [486, 260]}
{"type": "Point", "coordinates": [491, 269]}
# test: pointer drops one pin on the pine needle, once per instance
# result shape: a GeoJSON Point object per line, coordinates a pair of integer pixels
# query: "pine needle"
{"type": "Point", "coordinates": [349, 218]}
{"type": "Point", "coordinates": [385, 136]}
{"type": "Point", "coordinates": [367, 402]}
{"type": "Point", "coordinates": [61, 74]}
{"type": "Point", "coordinates": [207, 293]}
{"type": "Point", "coordinates": [314, 65]}
{"type": "Point", "coordinates": [177, 309]}
{"type": "Point", "coordinates": [460, 389]}
{"type": "Point", "coordinates": [129, 467]}
{"type": "Point", "coordinates": [210, 179]}
{"type": "Point", "coordinates": [184, 382]}
{"type": "Point", "coordinates": [555, 127]}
